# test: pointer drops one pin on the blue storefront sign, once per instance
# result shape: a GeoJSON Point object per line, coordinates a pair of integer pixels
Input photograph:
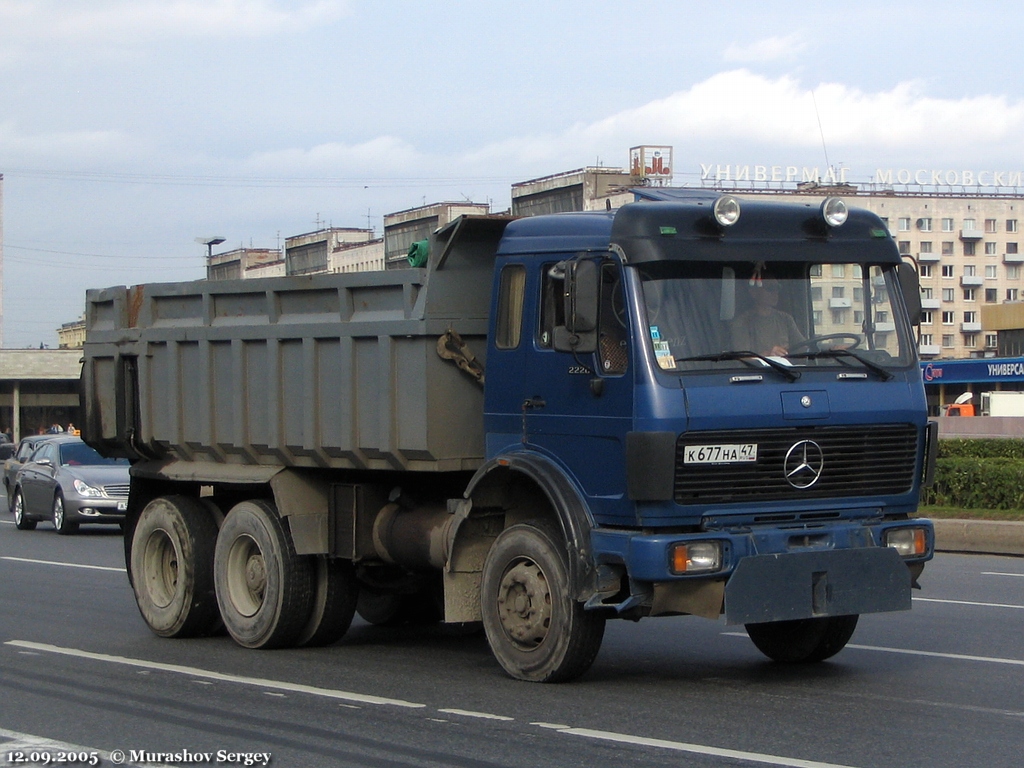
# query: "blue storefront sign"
{"type": "Point", "coordinates": [990, 370]}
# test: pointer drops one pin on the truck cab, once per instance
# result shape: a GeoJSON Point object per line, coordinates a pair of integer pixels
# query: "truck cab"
{"type": "Point", "coordinates": [724, 400]}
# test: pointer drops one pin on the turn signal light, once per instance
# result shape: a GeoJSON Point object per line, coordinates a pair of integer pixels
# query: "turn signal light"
{"type": "Point", "coordinates": [697, 557]}
{"type": "Point", "coordinates": [909, 542]}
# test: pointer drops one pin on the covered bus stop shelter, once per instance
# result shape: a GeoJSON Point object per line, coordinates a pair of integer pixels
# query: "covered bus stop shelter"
{"type": "Point", "coordinates": [38, 388]}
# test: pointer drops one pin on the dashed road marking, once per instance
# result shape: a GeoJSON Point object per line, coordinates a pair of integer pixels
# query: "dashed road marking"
{"type": "Point", "coordinates": [63, 565]}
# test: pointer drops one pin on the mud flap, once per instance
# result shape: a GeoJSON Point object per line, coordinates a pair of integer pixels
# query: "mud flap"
{"type": "Point", "coordinates": [803, 585]}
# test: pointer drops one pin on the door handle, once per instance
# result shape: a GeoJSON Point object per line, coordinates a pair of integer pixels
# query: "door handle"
{"type": "Point", "coordinates": [533, 403]}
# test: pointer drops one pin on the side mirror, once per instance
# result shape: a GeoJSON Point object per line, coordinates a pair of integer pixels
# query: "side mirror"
{"type": "Point", "coordinates": [44, 462]}
{"type": "Point", "coordinates": [910, 287]}
{"type": "Point", "coordinates": [581, 297]}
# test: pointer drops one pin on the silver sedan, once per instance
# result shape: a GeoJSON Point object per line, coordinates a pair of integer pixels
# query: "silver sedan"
{"type": "Point", "coordinates": [69, 483]}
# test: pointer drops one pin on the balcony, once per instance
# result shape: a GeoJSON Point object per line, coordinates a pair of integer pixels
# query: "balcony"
{"type": "Point", "coordinates": [930, 303]}
{"type": "Point", "coordinates": [886, 327]}
{"type": "Point", "coordinates": [1013, 258]}
{"type": "Point", "coordinates": [835, 303]}
{"type": "Point", "coordinates": [970, 327]}
{"type": "Point", "coordinates": [971, 234]}
{"type": "Point", "coordinates": [972, 281]}
{"type": "Point", "coordinates": [928, 258]}
{"type": "Point", "coordinates": [929, 350]}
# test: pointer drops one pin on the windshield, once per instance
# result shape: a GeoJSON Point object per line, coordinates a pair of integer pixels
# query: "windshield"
{"type": "Point", "coordinates": [76, 454]}
{"type": "Point", "coordinates": [793, 313]}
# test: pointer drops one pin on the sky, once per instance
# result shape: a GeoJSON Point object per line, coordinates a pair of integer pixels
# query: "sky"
{"type": "Point", "coordinates": [129, 128]}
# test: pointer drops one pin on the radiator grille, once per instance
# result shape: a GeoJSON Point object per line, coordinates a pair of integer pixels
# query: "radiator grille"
{"type": "Point", "coordinates": [118, 490]}
{"type": "Point", "coordinates": [854, 461]}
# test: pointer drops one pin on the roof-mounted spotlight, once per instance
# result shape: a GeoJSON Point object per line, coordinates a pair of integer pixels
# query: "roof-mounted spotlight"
{"type": "Point", "coordinates": [834, 211]}
{"type": "Point", "coordinates": [727, 210]}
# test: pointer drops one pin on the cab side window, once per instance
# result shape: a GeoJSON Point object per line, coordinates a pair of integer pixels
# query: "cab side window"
{"type": "Point", "coordinates": [613, 347]}
{"type": "Point", "coordinates": [511, 291]}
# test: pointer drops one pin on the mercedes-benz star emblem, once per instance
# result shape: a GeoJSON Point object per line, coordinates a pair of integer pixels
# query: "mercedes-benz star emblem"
{"type": "Point", "coordinates": [803, 464]}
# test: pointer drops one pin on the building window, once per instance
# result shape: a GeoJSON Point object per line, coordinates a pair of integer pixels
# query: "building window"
{"type": "Point", "coordinates": [926, 246]}
{"type": "Point", "coordinates": [969, 224]}
{"type": "Point", "coordinates": [904, 247]}
{"type": "Point", "coordinates": [1011, 294]}
{"type": "Point", "coordinates": [1012, 272]}
{"type": "Point", "coordinates": [816, 317]}
{"type": "Point", "coordinates": [948, 318]}
{"type": "Point", "coordinates": [925, 225]}
{"type": "Point", "coordinates": [904, 223]}
{"type": "Point", "coordinates": [925, 270]}
{"type": "Point", "coordinates": [971, 316]}
{"type": "Point", "coordinates": [858, 317]}
{"type": "Point", "coordinates": [969, 294]}
{"type": "Point", "coordinates": [947, 225]}
{"type": "Point", "coordinates": [991, 295]}
{"type": "Point", "coordinates": [885, 221]}
{"type": "Point", "coordinates": [1011, 225]}
{"type": "Point", "coordinates": [926, 293]}
{"type": "Point", "coordinates": [1011, 248]}
{"type": "Point", "coordinates": [990, 249]}
{"type": "Point", "coordinates": [838, 270]}
{"type": "Point", "coordinates": [990, 226]}
{"type": "Point", "coordinates": [947, 270]}
{"type": "Point", "coordinates": [837, 291]}
{"type": "Point", "coordinates": [970, 340]}
{"type": "Point", "coordinates": [926, 317]}
{"type": "Point", "coordinates": [969, 248]}
{"type": "Point", "coordinates": [991, 271]}
{"type": "Point", "coordinates": [969, 270]}
{"type": "Point", "coordinates": [816, 270]}
{"type": "Point", "coordinates": [815, 293]}
{"type": "Point", "coordinates": [838, 317]}
{"type": "Point", "coordinates": [926, 339]}
{"type": "Point", "coordinates": [858, 294]}
{"type": "Point", "coordinates": [991, 340]}
{"type": "Point", "coordinates": [947, 294]}
{"type": "Point", "coordinates": [947, 247]}
{"type": "Point", "coordinates": [947, 340]}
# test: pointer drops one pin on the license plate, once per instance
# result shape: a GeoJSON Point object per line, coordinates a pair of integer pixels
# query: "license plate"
{"type": "Point", "coordinates": [122, 506]}
{"type": "Point", "coordinates": [720, 454]}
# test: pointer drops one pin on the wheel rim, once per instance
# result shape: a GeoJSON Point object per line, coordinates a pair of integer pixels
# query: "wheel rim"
{"type": "Point", "coordinates": [58, 513]}
{"type": "Point", "coordinates": [524, 604]}
{"type": "Point", "coordinates": [160, 564]}
{"type": "Point", "coordinates": [19, 509]}
{"type": "Point", "coordinates": [246, 575]}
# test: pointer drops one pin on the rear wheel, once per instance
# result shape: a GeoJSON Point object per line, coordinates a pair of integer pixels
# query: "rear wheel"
{"type": "Point", "coordinates": [60, 519]}
{"type": "Point", "coordinates": [536, 630]}
{"type": "Point", "coordinates": [803, 640]}
{"type": "Point", "coordinates": [334, 602]}
{"type": "Point", "coordinates": [171, 564]}
{"type": "Point", "coordinates": [263, 588]}
{"type": "Point", "coordinates": [21, 520]}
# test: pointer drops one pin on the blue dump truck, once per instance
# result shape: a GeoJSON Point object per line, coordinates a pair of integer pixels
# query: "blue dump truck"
{"type": "Point", "coordinates": [692, 404]}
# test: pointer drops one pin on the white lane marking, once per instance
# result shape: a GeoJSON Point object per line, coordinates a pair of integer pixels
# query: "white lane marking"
{"type": "Point", "coordinates": [938, 655]}
{"type": "Point", "coordinates": [328, 693]}
{"type": "Point", "coordinates": [699, 749]}
{"type": "Point", "coordinates": [910, 652]}
{"type": "Point", "coordinates": [65, 565]}
{"type": "Point", "coordinates": [468, 713]}
{"type": "Point", "coordinates": [997, 573]}
{"type": "Point", "coordinates": [967, 602]}
{"type": "Point", "coordinates": [553, 726]}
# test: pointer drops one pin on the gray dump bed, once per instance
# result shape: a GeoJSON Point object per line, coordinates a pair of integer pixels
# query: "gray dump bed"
{"type": "Point", "coordinates": [336, 370]}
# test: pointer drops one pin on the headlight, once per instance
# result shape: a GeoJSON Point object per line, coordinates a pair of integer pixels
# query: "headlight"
{"type": "Point", "coordinates": [696, 557]}
{"type": "Point", "coordinates": [727, 210]}
{"type": "Point", "coordinates": [834, 211]}
{"type": "Point", "coordinates": [909, 542]}
{"type": "Point", "coordinates": [84, 489]}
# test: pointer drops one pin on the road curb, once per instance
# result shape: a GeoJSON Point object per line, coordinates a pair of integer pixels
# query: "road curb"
{"type": "Point", "coordinates": [992, 537]}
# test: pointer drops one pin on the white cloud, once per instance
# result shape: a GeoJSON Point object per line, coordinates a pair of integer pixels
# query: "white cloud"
{"type": "Point", "coordinates": [766, 49]}
{"type": "Point", "coordinates": [63, 147]}
{"type": "Point", "coordinates": [132, 21]}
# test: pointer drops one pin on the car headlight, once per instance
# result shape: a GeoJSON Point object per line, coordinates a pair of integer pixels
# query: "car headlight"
{"type": "Point", "coordinates": [84, 489]}
{"type": "Point", "coordinates": [909, 542]}
{"type": "Point", "coordinates": [696, 557]}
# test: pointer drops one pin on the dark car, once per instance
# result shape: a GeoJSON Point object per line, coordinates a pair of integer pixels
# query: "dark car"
{"type": "Point", "coordinates": [69, 483]}
{"type": "Point", "coordinates": [26, 447]}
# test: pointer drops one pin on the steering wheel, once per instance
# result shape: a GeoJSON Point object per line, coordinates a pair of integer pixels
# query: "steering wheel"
{"type": "Point", "coordinates": [814, 343]}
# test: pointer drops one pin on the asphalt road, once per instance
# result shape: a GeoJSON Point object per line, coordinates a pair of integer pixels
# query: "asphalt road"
{"type": "Point", "coordinates": [938, 686]}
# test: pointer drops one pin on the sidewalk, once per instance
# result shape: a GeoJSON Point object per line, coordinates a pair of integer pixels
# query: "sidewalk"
{"type": "Point", "coordinates": [992, 537]}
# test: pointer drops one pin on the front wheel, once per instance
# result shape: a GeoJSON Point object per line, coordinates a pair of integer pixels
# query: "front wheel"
{"type": "Point", "coordinates": [536, 630]}
{"type": "Point", "coordinates": [60, 517]}
{"type": "Point", "coordinates": [171, 565]}
{"type": "Point", "coordinates": [803, 640]}
{"type": "Point", "coordinates": [264, 589]}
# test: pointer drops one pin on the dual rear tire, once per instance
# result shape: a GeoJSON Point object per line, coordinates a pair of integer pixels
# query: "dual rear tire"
{"type": "Point", "coordinates": [189, 578]}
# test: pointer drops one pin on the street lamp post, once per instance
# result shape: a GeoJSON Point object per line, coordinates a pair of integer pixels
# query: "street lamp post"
{"type": "Point", "coordinates": [209, 242]}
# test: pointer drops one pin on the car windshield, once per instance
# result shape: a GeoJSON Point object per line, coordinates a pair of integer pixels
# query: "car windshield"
{"type": "Point", "coordinates": [80, 454]}
{"type": "Point", "coordinates": [712, 315]}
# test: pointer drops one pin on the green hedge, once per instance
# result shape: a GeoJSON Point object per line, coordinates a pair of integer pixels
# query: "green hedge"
{"type": "Point", "coordinates": [981, 448]}
{"type": "Point", "coordinates": [973, 482]}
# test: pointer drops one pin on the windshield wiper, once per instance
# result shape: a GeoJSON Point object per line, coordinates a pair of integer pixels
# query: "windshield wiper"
{"type": "Point", "coordinates": [744, 355]}
{"type": "Point", "coordinates": [875, 368]}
